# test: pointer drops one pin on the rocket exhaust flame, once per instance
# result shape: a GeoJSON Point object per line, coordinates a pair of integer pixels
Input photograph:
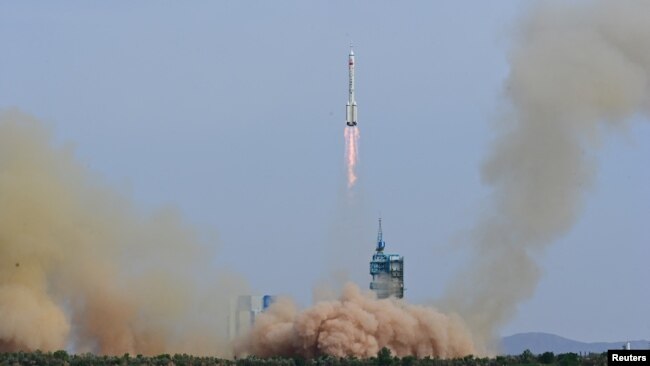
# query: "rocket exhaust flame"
{"type": "Point", "coordinates": [351, 153]}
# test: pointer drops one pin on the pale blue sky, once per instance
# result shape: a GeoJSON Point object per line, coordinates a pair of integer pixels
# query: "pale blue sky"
{"type": "Point", "coordinates": [233, 111]}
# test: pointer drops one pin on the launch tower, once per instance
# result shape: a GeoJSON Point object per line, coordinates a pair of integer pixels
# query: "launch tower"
{"type": "Point", "coordinates": [387, 271]}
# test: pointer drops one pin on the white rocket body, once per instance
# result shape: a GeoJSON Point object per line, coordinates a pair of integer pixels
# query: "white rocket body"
{"type": "Point", "coordinates": [351, 107]}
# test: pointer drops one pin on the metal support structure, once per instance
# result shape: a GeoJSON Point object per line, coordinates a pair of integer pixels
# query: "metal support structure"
{"type": "Point", "coordinates": [387, 271]}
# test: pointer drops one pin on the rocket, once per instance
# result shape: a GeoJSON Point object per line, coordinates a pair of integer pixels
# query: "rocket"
{"type": "Point", "coordinates": [351, 107]}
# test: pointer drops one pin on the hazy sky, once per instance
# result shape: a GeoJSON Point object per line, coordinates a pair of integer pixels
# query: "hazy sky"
{"type": "Point", "coordinates": [233, 111]}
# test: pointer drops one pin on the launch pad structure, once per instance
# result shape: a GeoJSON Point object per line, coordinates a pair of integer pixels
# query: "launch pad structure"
{"type": "Point", "coordinates": [387, 271]}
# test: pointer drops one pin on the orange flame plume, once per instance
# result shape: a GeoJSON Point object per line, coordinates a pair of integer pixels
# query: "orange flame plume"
{"type": "Point", "coordinates": [351, 153]}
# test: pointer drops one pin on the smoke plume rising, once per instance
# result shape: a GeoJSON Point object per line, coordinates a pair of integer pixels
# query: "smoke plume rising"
{"type": "Point", "coordinates": [577, 70]}
{"type": "Point", "coordinates": [81, 269]}
{"type": "Point", "coordinates": [358, 325]}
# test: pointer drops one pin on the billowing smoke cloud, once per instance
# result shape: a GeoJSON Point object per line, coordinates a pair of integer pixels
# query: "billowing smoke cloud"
{"type": "Point", "coordinates": [81, 269]}
{"type": "Point", "coordinates": [577, 70]}
{"type": "Point", "coordinates": [359, 325]}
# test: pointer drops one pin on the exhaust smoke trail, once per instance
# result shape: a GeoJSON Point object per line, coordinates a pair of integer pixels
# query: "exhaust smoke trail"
{"type": "Point", "coordinates": [577, 69]}
{"type": "Point", "coordinates": [351, 153]}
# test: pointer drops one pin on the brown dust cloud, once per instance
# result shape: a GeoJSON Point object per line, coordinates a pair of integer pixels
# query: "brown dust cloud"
{"type": "Point", "coordinates": [81, 268]}
{"type": "Point", "coordinates": [357, 324]}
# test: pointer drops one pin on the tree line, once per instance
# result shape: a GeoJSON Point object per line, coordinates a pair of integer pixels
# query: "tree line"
{"type": "Point", "coordinates": [383, 358]}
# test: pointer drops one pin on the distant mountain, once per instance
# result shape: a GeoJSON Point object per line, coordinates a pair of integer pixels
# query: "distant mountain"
{"type": "Point", "coordinates": [539, 343]}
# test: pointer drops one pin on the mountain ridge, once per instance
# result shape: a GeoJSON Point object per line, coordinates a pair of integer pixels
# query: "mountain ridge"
{"type": "Point", "coordinates": [540, 342]}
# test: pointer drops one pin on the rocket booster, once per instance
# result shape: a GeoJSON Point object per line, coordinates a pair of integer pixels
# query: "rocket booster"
{"type": "Point", "coordinates": [351, 107]}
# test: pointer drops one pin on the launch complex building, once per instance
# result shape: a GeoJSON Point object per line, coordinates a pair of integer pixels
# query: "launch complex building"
{"type": "Point", "coordinates": [387, 271]}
